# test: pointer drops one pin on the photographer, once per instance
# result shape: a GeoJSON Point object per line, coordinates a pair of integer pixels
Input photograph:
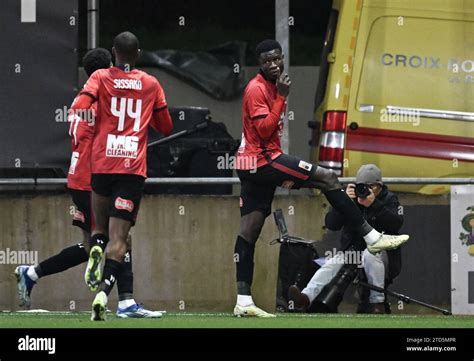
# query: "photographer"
{"type": "Point", "coordinates": [380, 208]}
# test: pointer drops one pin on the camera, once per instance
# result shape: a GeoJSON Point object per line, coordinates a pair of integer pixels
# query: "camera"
{"type": "Point", "coordinates": [332, 294]}
{"type": "Point", "coordinates": [362, 190]}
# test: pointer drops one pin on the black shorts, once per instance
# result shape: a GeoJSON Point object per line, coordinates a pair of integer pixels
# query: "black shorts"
{"type": "Point", "coordinates": [82, 216]}
{"type": "Point", "coordinates": [125, 191]}
{"type": "Point", "coordinates": [258, 186]}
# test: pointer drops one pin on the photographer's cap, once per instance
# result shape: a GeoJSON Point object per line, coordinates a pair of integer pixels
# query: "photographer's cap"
{"type": "Point", "coordinates": [369, 173]}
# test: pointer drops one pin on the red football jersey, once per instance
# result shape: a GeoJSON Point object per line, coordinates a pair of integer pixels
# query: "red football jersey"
{"type": "Point", "coordinates": [126, 101]}
{"type": "Point", "coordinates": [258, 100]}
{"type": "Point", "coordinates": [81, 132]}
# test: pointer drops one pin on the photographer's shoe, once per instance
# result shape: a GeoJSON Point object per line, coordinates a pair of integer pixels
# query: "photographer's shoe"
{"type": "Point", "coordinates": [377, 308]}
{"type": "Point", "coordinates": [387, 242]}
{"type": "Point", "coordinates": [251, 311]}
{"type": "Point", "coordinates": [299, 299]}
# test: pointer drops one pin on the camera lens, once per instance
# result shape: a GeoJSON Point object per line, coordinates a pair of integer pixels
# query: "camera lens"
{"type": "Point", "coordinates": [362, 190]}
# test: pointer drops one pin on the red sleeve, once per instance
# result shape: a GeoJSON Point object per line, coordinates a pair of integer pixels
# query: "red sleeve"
{"type": "Point", "coordinates": [265, 126]}
{"type": "Point", "coordinates": [80, 106]}
{"type": "Point", "coordinates": [162, 122]}
{"type": "Point", "coordinates": [160, 100]}
{"type": "Point", "coordinates": [256, 102]}
{"type": "Point", "coordinates": [83, 101]}
{"type": "Point", "coordinates": [81, 129]}
{"type": "Point", "coordinates": [91, 87]}
{"type": "Point", "coordinates": [89, 92]}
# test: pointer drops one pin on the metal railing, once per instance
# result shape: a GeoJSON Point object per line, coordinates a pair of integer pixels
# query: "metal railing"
{"type": "Point", "coordinates": [230, 180]}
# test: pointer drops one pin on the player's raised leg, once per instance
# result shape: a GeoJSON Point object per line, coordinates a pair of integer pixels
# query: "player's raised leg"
{"type": "Point", "coordinates": [327, 181]}
{"type": "Point", "coordinates": [296, 173]}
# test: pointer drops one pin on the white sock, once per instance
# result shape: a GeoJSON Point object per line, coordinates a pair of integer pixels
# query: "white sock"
{"type": "Point", "coordinates": [372, 237]}
{"type": "Point", "coordinates": [126, 303]}
{"type": "Point", "coordinates": [244, 300]}
{"type": "Point", "coordinates": [32, 273]}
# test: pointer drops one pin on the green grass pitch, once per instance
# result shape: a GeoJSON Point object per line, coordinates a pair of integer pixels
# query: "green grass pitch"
{"type": "Point", "coordinates": [223, 320]}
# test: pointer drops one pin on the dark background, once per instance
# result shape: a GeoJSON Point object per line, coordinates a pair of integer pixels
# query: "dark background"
{"type": "Point", "coordinates": [46, 50]}
{"type": "Point", "coordinates": [210, 23]}
{"type": "Point", "coordinates": [50, 51]}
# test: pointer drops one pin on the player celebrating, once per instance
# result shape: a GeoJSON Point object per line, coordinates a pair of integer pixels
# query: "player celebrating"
{"type": "Point", "coordinates": [128, 101]}
{"type": "Point", "coordinates": [81, 131]}
{"type": "Point", "coordinates": [263, 109]}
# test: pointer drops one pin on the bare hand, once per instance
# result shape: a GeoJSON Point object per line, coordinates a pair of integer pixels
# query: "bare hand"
{"type": "Point", "coordinates": [350, 191]}
{"type": "Point", "coordinates": [283, 84]}
{"type": "Point", "coordinates": [367, 201]}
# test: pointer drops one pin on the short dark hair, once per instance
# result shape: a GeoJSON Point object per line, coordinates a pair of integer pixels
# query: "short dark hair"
{"type": "Point", "coordinates": [96, 59]}
{"type": "Point", "coordinates": [267, 45]}
{"type": "Point", "coordinates": [126, 45]}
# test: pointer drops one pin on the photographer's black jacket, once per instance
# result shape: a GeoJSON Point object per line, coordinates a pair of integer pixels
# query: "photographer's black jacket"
{"type": "Point", "coordinates": [383, 215]}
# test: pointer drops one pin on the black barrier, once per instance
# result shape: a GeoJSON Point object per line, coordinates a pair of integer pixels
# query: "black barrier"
{"type": "Point", "coordinates": [38, 74]}
{"type": "Point", "coordinates": [197, 148]}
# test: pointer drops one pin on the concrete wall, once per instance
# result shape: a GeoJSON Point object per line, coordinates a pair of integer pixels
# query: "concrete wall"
{"type": "Point", "coordinates": [186, 259]}
{"type": "Point", "coordinates": [176, 258]}
{"type": "Point", "coordinates": [301, 102]}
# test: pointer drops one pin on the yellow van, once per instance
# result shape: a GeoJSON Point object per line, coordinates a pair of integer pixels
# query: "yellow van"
{"type": "Point", "coordinates": [396, 88]}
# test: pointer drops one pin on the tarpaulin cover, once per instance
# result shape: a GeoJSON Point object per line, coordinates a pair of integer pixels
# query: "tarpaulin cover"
{"type": "Point", "coordinates": [218, 71]}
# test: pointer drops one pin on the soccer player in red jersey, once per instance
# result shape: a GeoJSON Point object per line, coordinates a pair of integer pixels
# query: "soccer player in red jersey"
{"type": "Point", "coordinates": [81, 131]}
{"type": "Point", "coordinates": [262, 166]}
{"type": "Point", "coordinates": [128, 101]}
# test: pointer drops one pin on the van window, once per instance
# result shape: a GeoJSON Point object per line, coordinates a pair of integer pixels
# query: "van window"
{"type": "Point", "coordinates": [423, 63]}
